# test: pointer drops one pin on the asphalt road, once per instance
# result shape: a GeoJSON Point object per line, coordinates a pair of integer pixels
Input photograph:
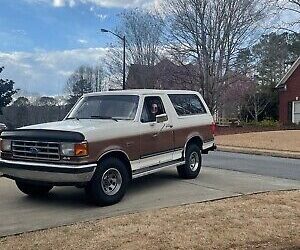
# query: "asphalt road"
{"type": "Point", "coordinates": [255, 164]}
{"type": "Point", "coordinates": [66, 205]}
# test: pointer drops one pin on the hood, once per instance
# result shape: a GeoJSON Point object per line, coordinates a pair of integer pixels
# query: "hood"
{"type": "Point", "coordinates": [85, 126]}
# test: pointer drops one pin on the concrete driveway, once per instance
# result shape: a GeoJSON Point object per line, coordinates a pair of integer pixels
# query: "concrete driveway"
{"type": "Point", "coordinates": [66, 205]}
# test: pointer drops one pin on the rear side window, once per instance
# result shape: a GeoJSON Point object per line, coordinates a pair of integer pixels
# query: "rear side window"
{"type": "Point", "coordinates": [187, 104]}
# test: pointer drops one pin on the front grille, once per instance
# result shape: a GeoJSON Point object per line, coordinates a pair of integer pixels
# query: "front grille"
{"type": "Point", "coordinates": [36, 150]}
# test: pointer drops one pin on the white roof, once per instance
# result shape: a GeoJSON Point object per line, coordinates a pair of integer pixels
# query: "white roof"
{"type": "Point", "coordinates": [289, 73]}
{"type": "Point", "coordinates": [141, 92]}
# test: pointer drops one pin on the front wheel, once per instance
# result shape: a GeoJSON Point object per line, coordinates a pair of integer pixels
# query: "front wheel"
{"type": "Point", "coordinates": [109, 183]}
{"type": "Point", "coordinates": [33, 189]}
{"type": "Point", "coordinates": [192, 166]}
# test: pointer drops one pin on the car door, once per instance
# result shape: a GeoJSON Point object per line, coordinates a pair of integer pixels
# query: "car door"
{"type": "Point", "coordinates": [156, 139]}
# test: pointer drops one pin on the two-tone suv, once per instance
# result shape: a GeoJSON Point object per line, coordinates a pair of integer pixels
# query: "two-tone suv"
{"type": "Point", "coordinates": [109, 138]}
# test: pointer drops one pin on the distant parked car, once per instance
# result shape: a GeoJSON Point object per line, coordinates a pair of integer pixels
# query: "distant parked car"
{"type": "Point", "coordinates": [108, 139]}
{"type": "Point", "coordinates": [2, 127]}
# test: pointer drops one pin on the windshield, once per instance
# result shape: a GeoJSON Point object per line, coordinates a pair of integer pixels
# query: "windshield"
{"type": "Point", "coordinates": [116, 107]}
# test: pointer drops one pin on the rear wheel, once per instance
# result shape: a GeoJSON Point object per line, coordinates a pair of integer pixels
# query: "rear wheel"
{"type": "Point", "coordinates": [33, 189]}
{"type": "Point", "coordinates": [192, 166]}
{"type": "Point", "coordinates": [109, 183]}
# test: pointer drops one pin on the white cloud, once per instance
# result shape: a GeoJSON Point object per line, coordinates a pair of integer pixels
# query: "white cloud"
{"type": "Point", "coordinates": [58, 3]}
{"type": "Point", "coordinates": [82, 41]}
{"type": "Point", "coordinates": [98, 15]}
{"type": "Point", "coordinates": [124, 4]}
{"type": "Point", "coordinates": [46, 72]}
{"type": "Point", "coordinates": [102, 3]}
{"type": "Point", "coordinates": [72, 3]}
{"type": "Point", "coordinates": [118, 3]}
{"type": "Point", "coordinates": [102, 16]}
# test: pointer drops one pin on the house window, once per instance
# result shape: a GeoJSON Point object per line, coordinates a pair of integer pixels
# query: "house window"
{"type": "Point", "coordinates": [296, 112]}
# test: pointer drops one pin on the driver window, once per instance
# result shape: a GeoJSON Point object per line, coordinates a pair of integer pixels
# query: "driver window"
{"type": "Point", "coordinates": [153, 106]}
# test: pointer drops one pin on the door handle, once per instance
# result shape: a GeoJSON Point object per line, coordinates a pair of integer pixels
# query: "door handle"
{"type": "Point", "coordinates": [165, 126]}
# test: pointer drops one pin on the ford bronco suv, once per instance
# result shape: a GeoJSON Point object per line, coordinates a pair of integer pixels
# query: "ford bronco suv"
{"type": "Point", "coordinates": [109, 138]}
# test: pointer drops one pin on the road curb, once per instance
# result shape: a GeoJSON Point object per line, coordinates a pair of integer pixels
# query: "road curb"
{"type": "Point", "coordinates": [285, 154]}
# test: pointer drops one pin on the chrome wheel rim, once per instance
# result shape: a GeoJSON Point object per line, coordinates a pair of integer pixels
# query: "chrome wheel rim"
{"type": "Point", "coordinates": [194, 161]}
{"type": "Point", "coordinates": [111, 181]}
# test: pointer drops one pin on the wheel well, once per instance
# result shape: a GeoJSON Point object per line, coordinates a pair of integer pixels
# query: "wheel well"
{"type": "Point", "coordinates": [195, 140]}
{"type": "Point", "coordinates": [121, 156]}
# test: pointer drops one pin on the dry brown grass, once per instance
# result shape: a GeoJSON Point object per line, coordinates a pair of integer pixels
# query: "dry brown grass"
{"type": "Point", "coordinates": [265, 221]}
{"type": "Point", "coordinates": [286, 140]}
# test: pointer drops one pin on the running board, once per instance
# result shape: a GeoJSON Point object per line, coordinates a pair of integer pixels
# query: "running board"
{"type": "Point", "coordinates": [156, 168]}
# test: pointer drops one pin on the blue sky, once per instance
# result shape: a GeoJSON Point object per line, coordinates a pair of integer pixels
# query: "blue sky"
{"type": "Point", "coordinates": [43, 41]}
{"type": "Point", "coordinates": [39, 25]}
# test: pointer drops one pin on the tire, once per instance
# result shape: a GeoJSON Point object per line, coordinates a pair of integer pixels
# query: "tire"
{"type": "Point", "coordinates": [33, 189]}
{"type": "Point", "coordinates": [109, 183]}
{"type": "Point", "coordinates": [193, 162]}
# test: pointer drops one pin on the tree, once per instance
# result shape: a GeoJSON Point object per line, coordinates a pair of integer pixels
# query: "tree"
{"type": "Point", "coordinates": [84, 80]}
{"type": "Point", "coordinates": [256, 102]}
{"type": "Point", "coordinates": [293, 43]}
{"type": "Point", "coordinates": [144, 34]}
{"type": "Point", "coordinates": [98, 77]}
{"type": "Point", "coordinates": [272, 54]}
{"type": "Point", "coordinates": [21, 102]}
{"type": "Point", "coordinates": [210, 33]}
{"type": "Point", "coordinates": [289, 8]}
{"type": "Point", "coordinates": [6, 91]}
{"type": "Point", "coordinates": [236, 95]}
{"type": "Point", "coordinates": [244, 62]}
{"type": "Point", "coordinates": [46, 101]}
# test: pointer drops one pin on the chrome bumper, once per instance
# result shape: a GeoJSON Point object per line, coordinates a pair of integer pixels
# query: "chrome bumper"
{"type": "Point", "coordinates": [50, 173]}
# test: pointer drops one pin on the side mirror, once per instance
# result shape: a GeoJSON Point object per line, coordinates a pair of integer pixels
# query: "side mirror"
{"type": "Point", "coordinates": [161, 118]}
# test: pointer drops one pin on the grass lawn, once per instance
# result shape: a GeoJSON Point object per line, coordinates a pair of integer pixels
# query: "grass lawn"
{"type": "Point", "coordinates": [263, 221]}
{"type": "Point", "coordinates": [285, 140]}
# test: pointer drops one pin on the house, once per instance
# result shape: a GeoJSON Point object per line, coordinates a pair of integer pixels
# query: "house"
{"type": "Point", "coordinates": [289, 95]}
{"type": "Point", "coordinates": [163, 75]}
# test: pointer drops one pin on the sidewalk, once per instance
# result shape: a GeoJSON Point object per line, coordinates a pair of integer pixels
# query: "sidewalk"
{"type": "Point", "coordinates": [284, 143]}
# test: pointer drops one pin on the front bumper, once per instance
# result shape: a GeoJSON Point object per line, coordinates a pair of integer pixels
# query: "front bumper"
{"type": "Point", "coordinates": [55, 174]}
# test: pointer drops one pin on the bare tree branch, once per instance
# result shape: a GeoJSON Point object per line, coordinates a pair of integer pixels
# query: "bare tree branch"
{"type": "Point", "coordinates": [209, 33]}
{"type": "Point", "coordinates": [144, 33]}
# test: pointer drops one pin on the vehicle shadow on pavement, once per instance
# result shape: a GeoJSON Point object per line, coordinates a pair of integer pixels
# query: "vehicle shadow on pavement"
{"type": "Point", "coordinates": [60, 196]}
{"type": "Point", "coordinates": [156, 179]}
{"type": "Point", "coordinates": [72, 197]}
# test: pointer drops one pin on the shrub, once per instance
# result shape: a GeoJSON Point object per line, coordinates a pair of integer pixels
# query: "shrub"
{"type": "Point", "coordinates": [263, 123]}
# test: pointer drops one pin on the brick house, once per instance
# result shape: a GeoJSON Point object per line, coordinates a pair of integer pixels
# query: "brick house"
{"type": "Point", "coordinates": [163, 75]}
{"type": "Point", "coordinates": [289, 95]}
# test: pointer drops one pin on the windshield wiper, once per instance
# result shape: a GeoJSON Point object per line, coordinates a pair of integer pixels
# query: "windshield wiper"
{"type": "Point", "coordinates": [103, 117]}
{"type": "Point", "coordinates": [72, 118]}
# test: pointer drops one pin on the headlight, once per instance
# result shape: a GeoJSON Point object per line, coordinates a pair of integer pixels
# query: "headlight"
{"type": "Point", "coordinates": [74, 149]}
{"type": "Point", "coordinates": [5, 145]}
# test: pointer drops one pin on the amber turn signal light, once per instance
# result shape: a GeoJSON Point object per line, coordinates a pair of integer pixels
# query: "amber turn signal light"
{"type": "Point", "coordinates": [81, 149]}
